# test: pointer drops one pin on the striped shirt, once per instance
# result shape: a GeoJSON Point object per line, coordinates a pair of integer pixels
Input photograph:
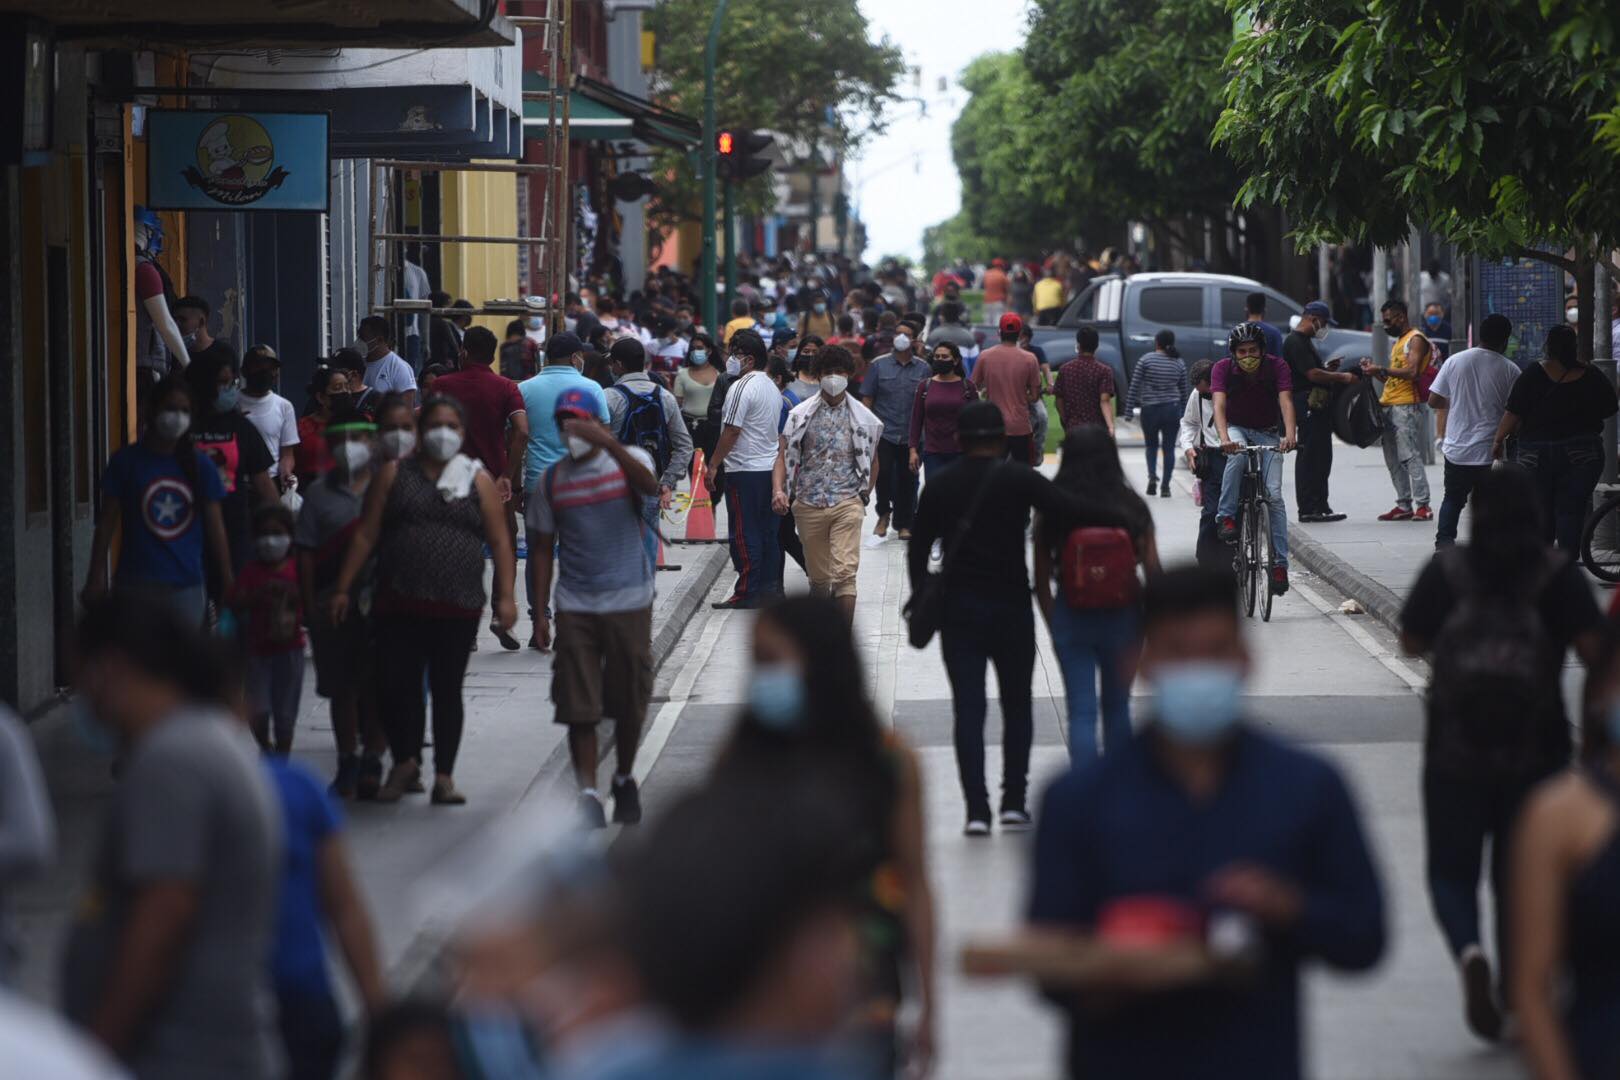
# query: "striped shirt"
{"type": "Point", "coordinates": [1158, 380]}
{"type": "Point", "coordinates": [602, 565]}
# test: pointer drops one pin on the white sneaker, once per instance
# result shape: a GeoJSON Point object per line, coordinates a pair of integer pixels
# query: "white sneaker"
{"type": "Point", "coordinates": [1015, 820]}
{"type": "Point", "coordinates": [976, 827]}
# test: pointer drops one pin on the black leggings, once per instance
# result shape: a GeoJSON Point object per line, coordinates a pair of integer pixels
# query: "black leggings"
{"type": "Point", "coordinates": [408, 646]}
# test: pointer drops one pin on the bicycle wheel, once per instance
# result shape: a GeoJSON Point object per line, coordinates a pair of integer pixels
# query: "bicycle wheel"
{"type": "Point", "coordinates": [1260, 510]}
{"type": "Point", "coordinates": [1247, 567]}
{"type": "Point", "coordinates": [1600, 540]}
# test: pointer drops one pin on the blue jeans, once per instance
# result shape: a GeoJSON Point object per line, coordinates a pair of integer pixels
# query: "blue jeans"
{"type": "Point", "coordinates": [756, 546]}
{"type": "Point", "coordinates": [1092, 643]}
{"type": "Point", "coordinates": [1565, 472]}
{"type": "Point", "coordinates": [1232, 480]}
{"type": "Point", "coordinates": [649, 535]}
{"type": "Point", "coordinates": [1160, 424]}
{"type": "Point", "coordinates": [933, 463]}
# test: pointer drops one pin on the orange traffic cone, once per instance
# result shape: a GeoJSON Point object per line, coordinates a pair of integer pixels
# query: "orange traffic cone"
{"type": "Point", "coordinates": [700, 517]}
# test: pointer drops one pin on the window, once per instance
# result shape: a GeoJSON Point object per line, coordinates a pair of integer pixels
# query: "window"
{"type": "Point", "coordinates": [1110, 298]}
{"type": "Point", "coordinates": [1173, 305]}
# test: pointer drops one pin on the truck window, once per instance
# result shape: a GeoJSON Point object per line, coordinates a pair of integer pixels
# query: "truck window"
{"type": "Point", "coordinates": [1110, 298]}
{"type": "Point", "coordinates": [1173, 305]}
{"type": "Point", "coordinates": [1099, 303]}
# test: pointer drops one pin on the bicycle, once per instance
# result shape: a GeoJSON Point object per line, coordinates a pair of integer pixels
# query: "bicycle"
{"type": "Point", "coordinates": [1600, 540]}
{"type": "Point", "coordinates": [1252, 560]}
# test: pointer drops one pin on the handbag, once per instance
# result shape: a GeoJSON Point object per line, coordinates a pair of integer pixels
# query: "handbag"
{"type": "Point", "coordinates": [925, 611]}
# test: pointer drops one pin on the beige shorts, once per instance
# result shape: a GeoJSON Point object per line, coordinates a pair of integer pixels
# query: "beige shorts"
{"type": "Point", "coordinates": [832, 545]}
{"type": "Point", "coordinates": [602, 667]}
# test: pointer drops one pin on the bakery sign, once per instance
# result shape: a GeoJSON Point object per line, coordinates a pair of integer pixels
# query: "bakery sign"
{"type": "Point", "coordinates": [236, 160]}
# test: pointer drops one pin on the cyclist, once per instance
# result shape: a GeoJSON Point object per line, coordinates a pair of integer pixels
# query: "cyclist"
{"type": "Point", "coordinates": [1253, 403]}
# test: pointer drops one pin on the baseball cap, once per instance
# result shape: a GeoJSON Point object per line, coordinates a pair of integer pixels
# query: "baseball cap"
{"type": "Point", "coordinates": [981, 420]}
{"type": "Point", "coordinates": [563, 345]}
{"type": "Point", "coordinates": [575, 403]}
{"type": "Point", "coordinates": [1011, 324]}
{"type": "Point", "coordinates": [1319, 310]}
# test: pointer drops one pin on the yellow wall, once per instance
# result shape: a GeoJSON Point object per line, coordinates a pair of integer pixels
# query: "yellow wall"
{"type": "Point", "coordinates": [480, 204]}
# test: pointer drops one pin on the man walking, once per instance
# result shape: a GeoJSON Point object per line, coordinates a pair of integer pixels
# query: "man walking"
{"type": "Point", "coordinates": [386, 372]}
{"type": "Point", "coordinates": [1254, 308]}
{"type": "Point", "coordinates": [603, 666]}
{"type": "Point", "coordinates": [1204, 812]}
{"type": "Point", "coordinates": [1403, 416]}
{"type": "Point", "coordinates": [889, 390]}
{"type": "Point", "coordinates": [825, 470]}
{"type": "Point", "coordinates": [1254, 406]}
{"type": "Point", "coordinates": [1313, 382]}
{"type": "Point", "coordinates": [1469, 395]}
{"type": "Point", "coordinates": [751, 423]}
{"type": "Point", "coordinates": [1084, 386]}
{"type": "Point", "coordinates": [1010, 378]}
{"type": "Point", "coordinates": [269, 412]}
{"type": "Point", "coordinates": [642, 413]}
{"type": "Point", "coordinates": [995, 291]}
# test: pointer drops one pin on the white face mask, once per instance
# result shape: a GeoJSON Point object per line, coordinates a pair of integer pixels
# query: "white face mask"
{"type": "Point", "coordinates": [733, 366]}
{"type": "Point", "coordinates": [833, 385]}
{"type": "Point", "coordinates": [901, 343]}
{"type": "Point", "coordinates": [1321, 332]}
{"type": "Point", "coordinates": [579, 448]}
{"type": "Point", "coordinates": [171, 423]}
{"type": "Point", "coordinates": [398, 444]}
{"type": "Point", "coordinates": [272, 547]}
{"type": "Point", "coordinates": [441, 443]}
{"type": "Point", "coordinates": [352, 456]}
{"type": "Point", "coordinates": [1572, 314]}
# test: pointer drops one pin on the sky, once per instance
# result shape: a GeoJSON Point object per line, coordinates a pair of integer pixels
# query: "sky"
{"type": "Point", "coordinates": [904, 179]}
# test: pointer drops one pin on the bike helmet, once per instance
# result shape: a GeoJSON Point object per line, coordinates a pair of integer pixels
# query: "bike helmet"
{"type": "Point", "coordinates": [1245, 332]}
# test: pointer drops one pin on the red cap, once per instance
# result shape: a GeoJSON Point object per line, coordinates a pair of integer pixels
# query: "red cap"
{"type": "Point", "coordinates": [999, 263]}
{"type": "Point", "coordinates": [1011, 324]}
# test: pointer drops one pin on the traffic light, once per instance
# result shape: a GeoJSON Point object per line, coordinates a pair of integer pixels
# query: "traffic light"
{"type": "Point", "coordinates": [734, 152]}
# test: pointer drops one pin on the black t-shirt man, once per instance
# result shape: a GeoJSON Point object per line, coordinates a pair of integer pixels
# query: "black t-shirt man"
{"type": "Point", "coordinates": [1300, 352]}
{"type": "Point", "coordinates": [236, 448]}
{"type": "Point", "coordinates": [215, 348]}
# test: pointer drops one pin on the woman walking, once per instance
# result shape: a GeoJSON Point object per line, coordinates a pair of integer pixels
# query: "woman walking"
{"type": "Point", "coordinates": [808, 715]}
{"type": "Point", "coordinates": [429, 517]}
{"type": "Point", "coordinates": [312, 458]}
{"type": "Point", "coordinates": [1557, 409]}
{"type": "Point", "coordinates": [1094, 643]}
{"type": "Point", "coordinates": [934, 410]}
{"type": "Point", "coordinates": [1159, 388]}
{"type": "Point", "coordinates": [694, 385]}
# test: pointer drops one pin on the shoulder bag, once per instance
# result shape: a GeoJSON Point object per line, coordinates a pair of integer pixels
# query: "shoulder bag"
{"type": "Point", "coordinates": [925, 611]}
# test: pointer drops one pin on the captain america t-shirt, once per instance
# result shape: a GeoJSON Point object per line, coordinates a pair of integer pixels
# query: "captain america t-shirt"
{"type": "Point", "coordinates": [162, 514]}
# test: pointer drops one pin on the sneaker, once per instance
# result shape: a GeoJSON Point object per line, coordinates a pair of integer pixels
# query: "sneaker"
{"type": "Point", "coordinates": [1329, 516]}
{"type": "Point", "coordinates": [977, 826]}
{"type": "Point", "coordinates": [370, 779]}
{"type": "Point", "coordinates": [732, 602]}
{"type": "Point", "coordinates": [1153, 486]}
{"type": "Point", "coordinates": [590, 810]}
{"type": "Point", "coordinates": [1423, 513]}
{"type": "Point", "coordinates": [1015, 819]}
{"type": "Point", "coordinates": [1397, 514]}
{"type": "Point", "coordinates": [1279, 580]}
{"type": "Point", "coordinates": [446, 794]}
{"type": "Point", "coordinates": [1227, 530]}
{"type": "Point", "coordinates": [1164, 492]}
{"type": "Point", "coordinates": [626, 801]}
{"type": "Point", "coordinates": [1479, 1001]}
{"type": "Point", "coordinates": [508, 642]}
{"type": "Point", "coordinates": [882, 526]}
{"type": "Point", "coordinates": [347, 780]}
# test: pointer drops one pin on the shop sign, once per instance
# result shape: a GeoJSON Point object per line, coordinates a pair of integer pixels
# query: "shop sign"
{"type": "Point", "coordinates": [200, 160]}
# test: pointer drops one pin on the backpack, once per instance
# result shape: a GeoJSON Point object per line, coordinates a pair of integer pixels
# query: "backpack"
{"type": "Point", "coordinates": [1099, 569]}
{"type": "Point", "coordinates": [1495, 671]}
{"type": "Point", "coordinates": [644, 425]}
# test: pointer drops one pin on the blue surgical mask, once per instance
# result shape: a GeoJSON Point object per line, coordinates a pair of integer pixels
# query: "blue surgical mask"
{"type": "Point", "coordinates": [95, 735]}
{"type": "Point", "coordinates": [699, 357]}
{"type": "Point", "coordinates": [1197, 702]}
{"type": "Point", "coordinates": [227, 398]}
{"type": "Point", "coordinates": [1612, 719]}
{"type": "Point", "coordinates": [776, 696]}
{"type": "Point", "coordinates": [1432, 320]}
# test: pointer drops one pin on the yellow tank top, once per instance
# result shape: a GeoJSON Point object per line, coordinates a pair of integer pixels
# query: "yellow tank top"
{"type": "Point", "coordinates": [1398, 391]}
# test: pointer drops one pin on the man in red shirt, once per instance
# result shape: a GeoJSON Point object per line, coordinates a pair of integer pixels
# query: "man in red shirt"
{"type": "Point", "coordinates": [995, 291]}
{"type": "Point", "coordinates": [496, 423]}
{"type": "Point", "coordinates": [1085, 386]}
{"type": "Point", "coordinates": [1011, 378]}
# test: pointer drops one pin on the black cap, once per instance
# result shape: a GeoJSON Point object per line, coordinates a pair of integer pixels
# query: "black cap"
{"type": "Point", "coordinates": [563, 345]}
{"type": "Point", "coordinates": [981, 420]}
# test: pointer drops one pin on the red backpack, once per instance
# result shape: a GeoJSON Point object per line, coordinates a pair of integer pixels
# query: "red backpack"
{"type": "Point", "coordinates": [1099, 569]}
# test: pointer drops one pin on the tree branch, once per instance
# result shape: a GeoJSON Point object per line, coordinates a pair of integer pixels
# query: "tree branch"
{"type": "Point", "coordinates": [1566, 265]}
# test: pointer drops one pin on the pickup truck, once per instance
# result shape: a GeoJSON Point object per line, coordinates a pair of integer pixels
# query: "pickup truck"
{"type": "Point", "coordinates": [1200, 308]}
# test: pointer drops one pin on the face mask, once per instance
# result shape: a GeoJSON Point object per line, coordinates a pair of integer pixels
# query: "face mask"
{"type": "Point", "coordinates": [398, 444]}
{"type": "Point", "coordinates": [1432, 320]}
{"type": "Point", "coordinates": [361, 346]}
{"type": "Point", "coordinates": [733, 366]}
{"type": "Point", "coordinates": [227, 398]}
{"type": "Point", "coordinates": [944, 367]}
{"type": "Point", "coordinates": [1321, 333]}
{"type": "Point", "coordinates": [189, 338]}
{"type": "Point", "coordinates": [260, 383]}
{"type": "Point", "coordinates": [699, 358]}
{"type": "Point", "coordinates": [901, 343]}
{"type": "Point", "coordinates": [776, 697]}
{"type": "Point", "coordinates": [352, 456]}
{"type": "Point", "coordinates": [1197, 701]}
{"type": "Point", "coordinates": [171, 423]}
{"type": "Point", "coordinates": [1572, 315]}
{"type": "Point", "coordinates": [534, 323]}
{"type": "Point", "coordinates": [1250, 364]}
{"type": "Point", "coordinates": [833, 385]}
{"type": "Point", "coordinates": [441, 443]}
{"type": "Point", "coordinates": [272, 547]}
{"type": "Point", "coordinates": [96, 736]}
{"type": "Point", "coordinates": [579, 448]}
{"type": "Point", "coordinates": [821, 309]}
{"type": "Point", "coordinates": [340, 402]}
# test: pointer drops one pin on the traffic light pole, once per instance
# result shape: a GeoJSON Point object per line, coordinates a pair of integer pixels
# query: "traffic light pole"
{"type": "Point", "coordinates": [710, 166]}
{"type": "Point", "coordinates": [730, 225]}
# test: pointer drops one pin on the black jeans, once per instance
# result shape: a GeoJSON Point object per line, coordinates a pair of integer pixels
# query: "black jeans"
{"type": "Point", "coordinates": [1021, 448]}
{"type": "Point", "coordinates": [1160, 423]}
{"type": "Point", "coordinates": [1460, 811]}
{"type": "Point", "coordinates": [996, 625]}
{"type": "Point", "coordinates": [896, 483]}
{"type": "Point", "coordinates": [1211, 553]}
{"type": "Point", "coordinates": [1315, 462]}
{"type": "Point", "coordinates": [787, 536]}
{"type": "Point", "coordinates": [1565, 472]}
{"type": "Point", "coordinates": [1460, 481]}
{"type": "Point", "coordinates": [408, 646]}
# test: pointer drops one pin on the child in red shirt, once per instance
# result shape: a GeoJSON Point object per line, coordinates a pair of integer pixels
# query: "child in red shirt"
{"type": "Point", "coordinates": [266, 602]}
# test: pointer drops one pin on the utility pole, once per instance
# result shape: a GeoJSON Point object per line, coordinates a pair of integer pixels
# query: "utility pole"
{"type": "Point", "coordinates": [730, 225]}
{"type": "Point", "coordinates": [710, 322]}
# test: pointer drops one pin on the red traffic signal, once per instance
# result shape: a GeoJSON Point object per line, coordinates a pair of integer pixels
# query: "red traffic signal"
{"type": "Point", "coordinates": [724, 143]}
{"type": "Point", "coordinates": [735, 150]}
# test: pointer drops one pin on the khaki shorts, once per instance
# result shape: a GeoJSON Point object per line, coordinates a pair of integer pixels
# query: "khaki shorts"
{"type": "Point", "coordinates": [832, 545]}
{"type": "Point", "coordinates": [602, 666]}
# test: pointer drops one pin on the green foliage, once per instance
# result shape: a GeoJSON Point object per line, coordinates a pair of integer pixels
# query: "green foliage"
{"type": "Point", "coordinates": [803, 71]}
{"type": "Point", "coordinates": [954, 239]}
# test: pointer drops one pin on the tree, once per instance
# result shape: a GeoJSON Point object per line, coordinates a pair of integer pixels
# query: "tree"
{"type": "Point", "coordinates": [1480, 120]}
{"type": "Point", "coordinates": [953, 240]}
{"type": "Point", "coordinates": [810, 73]}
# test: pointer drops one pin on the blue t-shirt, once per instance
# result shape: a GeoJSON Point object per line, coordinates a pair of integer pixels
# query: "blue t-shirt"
{"type": "Point", "coordinates": [1274, 338]}
{"type": "Point", "coordinates": [298, 958]}
{"type": "Point", "coordinates": [540, 396]}
{"type": "Point", "coordinates": [163, 521]}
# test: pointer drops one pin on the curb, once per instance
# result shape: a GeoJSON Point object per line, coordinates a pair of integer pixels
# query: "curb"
{"type": "Point", "coordinates": [689, 595]}
{"type": "Point", "coordinates": [1380, 602]}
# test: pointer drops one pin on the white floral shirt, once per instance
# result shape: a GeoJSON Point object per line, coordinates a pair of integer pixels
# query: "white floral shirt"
{"type": "Point", "coordinates": [864, 431]}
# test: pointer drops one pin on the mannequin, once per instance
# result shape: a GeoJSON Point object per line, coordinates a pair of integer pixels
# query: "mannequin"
{"type": "Point", "coordinates": [159, 346]}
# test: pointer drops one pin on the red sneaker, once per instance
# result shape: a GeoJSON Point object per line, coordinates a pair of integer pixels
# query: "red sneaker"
{"type": "Point", "coordinates": [1423, 513]}
{"type": "Point", "coordinates": [1397, 514]}
{"type": "Point", "coordinates": [1227, 530]}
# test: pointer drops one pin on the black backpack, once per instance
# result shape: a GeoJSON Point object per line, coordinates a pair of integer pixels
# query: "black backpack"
{"type": "Point", "coordinates": [644, 425]}
{"type": "Point", "coordinates": [1495, 671]}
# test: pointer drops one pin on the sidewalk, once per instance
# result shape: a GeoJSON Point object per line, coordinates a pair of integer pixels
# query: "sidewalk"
{"type": "Point", "coordinates": [510, 753]}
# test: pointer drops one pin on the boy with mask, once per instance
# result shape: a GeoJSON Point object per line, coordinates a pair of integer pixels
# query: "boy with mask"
{"type": "Point", "coordinates": [1203, 811]}
{"type": "Point", "coordinates": [267, 603]}
{"type": "Point", "coordinates": [269, 412]}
